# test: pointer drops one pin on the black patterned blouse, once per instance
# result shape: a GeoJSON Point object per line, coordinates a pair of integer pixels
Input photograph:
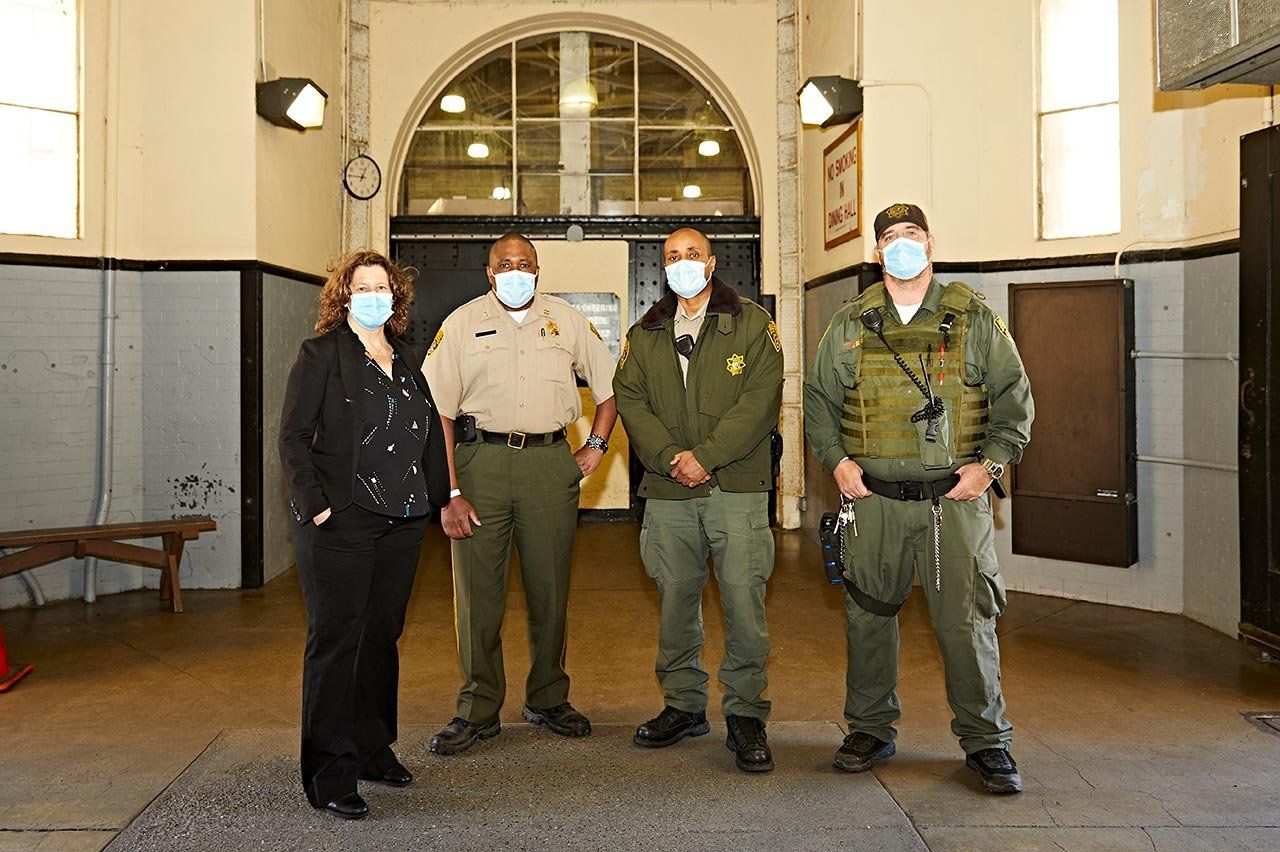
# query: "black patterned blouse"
{"type": "Point", "coordinates": [389, 475]}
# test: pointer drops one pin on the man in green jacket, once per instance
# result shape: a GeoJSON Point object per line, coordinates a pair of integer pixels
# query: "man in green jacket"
{"type": "Point", "coordinates": [919, 473]}
{"type": "Point", "coordinates": [699, 388]}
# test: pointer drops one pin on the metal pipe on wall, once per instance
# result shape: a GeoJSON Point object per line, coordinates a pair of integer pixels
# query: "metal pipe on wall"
{"type": "Point", "coordinates": [1187, 356]}
{"type": "Point", "coordinates": [106, 422]}
{"type": "Point", "coordinates": [1229, 468]}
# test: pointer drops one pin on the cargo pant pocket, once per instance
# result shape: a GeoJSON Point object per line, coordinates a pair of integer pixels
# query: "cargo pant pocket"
{"type": "Point", "coordinates": [989, 596]}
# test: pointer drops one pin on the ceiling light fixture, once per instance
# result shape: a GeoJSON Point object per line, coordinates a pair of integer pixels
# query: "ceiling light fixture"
{"type": "Point", "coordinates": [709, 147]}
{"type": "Point", "coordinates": [453, 103]}
{"type": "Point", "coordinates": [692, 191]}
{"type": "Point", "coordinates": [477, 150]}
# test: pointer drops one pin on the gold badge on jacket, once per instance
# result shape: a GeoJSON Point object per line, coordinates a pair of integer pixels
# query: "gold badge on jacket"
{"type": "Point", "coordinates": [435, 344]}
{"type": "Point", "coordinates": [735, 364]}
{"type": "Point", "coordinates": [553, 328]}
{"type": "Point", "coordinates": [773, 335]}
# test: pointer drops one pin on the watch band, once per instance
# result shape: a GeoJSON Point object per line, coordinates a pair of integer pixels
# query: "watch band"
{"type": "Point", "coordinates": [595, 442]}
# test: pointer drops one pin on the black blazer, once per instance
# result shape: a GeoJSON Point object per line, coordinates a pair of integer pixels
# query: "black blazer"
{"type": "Point", "coordinates": [320, 426]}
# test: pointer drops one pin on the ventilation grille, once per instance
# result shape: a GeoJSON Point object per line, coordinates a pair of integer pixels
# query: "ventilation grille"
{"type": "Point", "coordinates": [1202, 42]}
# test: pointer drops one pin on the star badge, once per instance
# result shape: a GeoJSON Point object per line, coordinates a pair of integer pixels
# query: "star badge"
{"type": "Point", "coordinates": [735, 364]}
{"type": "Point", "coordinates": [553, 328]}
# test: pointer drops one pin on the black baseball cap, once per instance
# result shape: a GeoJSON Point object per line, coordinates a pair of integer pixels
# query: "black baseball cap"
{"type": "Point", "coordinates": [895, 213]}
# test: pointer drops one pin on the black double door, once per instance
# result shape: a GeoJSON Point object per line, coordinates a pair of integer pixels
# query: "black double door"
{"type": "Point", "coordinates": [451, 273]}
{"type": "Point", "coordinates": [1259, 420]}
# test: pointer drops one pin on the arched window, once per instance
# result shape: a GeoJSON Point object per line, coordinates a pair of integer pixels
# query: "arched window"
{"type": "Point", "coordinates": [575, 124]}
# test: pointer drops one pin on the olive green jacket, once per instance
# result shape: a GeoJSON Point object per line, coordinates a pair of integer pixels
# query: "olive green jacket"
{"type": "Point", "coordinates": [726, 411]}
{"type": "Point", "coordinates": [990, 358]}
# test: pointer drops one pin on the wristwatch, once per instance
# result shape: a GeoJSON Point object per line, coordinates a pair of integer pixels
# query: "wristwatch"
{"type": "Point", "coordinates": [994, 469]}
{"type": "Point", "coordinates": [595, 442]}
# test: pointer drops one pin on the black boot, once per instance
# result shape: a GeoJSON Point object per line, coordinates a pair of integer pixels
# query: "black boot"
{"type": "Point", "coordinates": [861, 750]}
{"type": "Point", "coordinates": [749, 744]}
{"type": "Point", "coordinates": [460, 735]}
{"type": "Point", "coordinates": [998, 771]}
{"type": "Point", "coordinates": [670, 727]}
{"type": "Point", "coordinates": [562, 719]}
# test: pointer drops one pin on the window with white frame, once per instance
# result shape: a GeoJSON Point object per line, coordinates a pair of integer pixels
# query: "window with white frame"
{"type": "Point", "coordinates": [1079, 118]}
{"type": "Point", "coordinates": [39, 118]}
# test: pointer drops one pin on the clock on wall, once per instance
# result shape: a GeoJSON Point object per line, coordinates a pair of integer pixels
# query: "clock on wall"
{"type": "Point", "coordinates": [362, 177]}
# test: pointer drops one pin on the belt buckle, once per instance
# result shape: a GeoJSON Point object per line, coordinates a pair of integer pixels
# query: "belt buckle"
{"type": "Point", "coordinates": [911, 490]}
{"type": "Point", "coordinates": [511, 436]}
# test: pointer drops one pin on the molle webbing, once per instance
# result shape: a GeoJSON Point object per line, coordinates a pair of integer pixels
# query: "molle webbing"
{"type": "Point", "coordinates": [875, 420]}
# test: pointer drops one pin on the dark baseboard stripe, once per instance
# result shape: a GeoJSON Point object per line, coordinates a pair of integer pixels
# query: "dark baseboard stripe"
{"type": "Point", "coordinates": [1156, 255]}
{"type": "Point", "coordinates": [78, 262]}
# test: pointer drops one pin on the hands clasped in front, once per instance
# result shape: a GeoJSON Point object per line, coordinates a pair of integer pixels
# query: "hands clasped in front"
{"type": "Point", "coordinates": [973, 483]}
{"type": "Point", "coordinates": [687, 470]}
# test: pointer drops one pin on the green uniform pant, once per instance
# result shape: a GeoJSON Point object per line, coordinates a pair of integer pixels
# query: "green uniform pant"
{"type": "Point", "coordinates": [674, 542]}
{"type": "Point", "coordinates": [531, 495]}
{"type": "Point", "coordinates": [892, 537]}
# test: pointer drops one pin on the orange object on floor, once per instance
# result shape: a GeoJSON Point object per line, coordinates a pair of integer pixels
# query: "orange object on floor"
{"type": "Point", "coordinates": [9, 675]}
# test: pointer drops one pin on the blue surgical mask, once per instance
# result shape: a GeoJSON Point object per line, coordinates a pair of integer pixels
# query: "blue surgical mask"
{"type": "Point", "coordinates": [371, 310]}
{"type": "Point", "coordinates": [904, 258]}
{"type": "Point", "coordinates": [687, 278]}
{"type": "Point", "coordinates": [515, 288]}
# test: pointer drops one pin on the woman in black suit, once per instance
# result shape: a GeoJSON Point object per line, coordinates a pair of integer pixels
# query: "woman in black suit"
{"type": "Point", "coordinates": [363, 456]}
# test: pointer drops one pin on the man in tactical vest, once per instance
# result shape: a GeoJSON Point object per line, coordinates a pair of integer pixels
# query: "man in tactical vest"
{"type": "Point", "coordinates": [917, 400]}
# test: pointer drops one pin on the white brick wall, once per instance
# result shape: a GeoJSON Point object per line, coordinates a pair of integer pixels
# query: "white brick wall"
{"type": "Point", "coordinates": [49, 374]}
{"type": "Point", "coordinates": [176, 414]}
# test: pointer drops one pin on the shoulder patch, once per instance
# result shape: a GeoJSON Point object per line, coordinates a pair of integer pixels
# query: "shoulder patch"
{"type": "Point", "coordinates": [435, 344]}
{"type": "Point", "coordinates": [772, 328]}
{"type": "Point", "coordinates": [626, 350]}
{"type": "Point", "coordinates": [1004, 329]}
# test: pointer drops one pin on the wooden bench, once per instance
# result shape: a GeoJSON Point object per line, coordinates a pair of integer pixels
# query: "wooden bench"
{"type": "Point", "coordinates": [45, 546]}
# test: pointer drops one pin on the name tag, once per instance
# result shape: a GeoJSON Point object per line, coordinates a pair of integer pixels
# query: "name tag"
{"type": "Point", "coordinates": [486, 333]}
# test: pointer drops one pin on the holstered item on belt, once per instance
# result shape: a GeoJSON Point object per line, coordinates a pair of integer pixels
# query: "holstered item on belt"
{"type": "Point", "coordinates": [520, 440]}
{"type": "Point", "coordinates": [464, 430]}
{"type": "Point", "coordinates": [775, 452]}
{"type": "Point", "coordinates": [910, 490]}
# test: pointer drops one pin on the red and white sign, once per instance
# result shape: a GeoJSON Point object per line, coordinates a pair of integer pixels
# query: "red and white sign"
{"type": "Point", "coordinates": [842, 187]}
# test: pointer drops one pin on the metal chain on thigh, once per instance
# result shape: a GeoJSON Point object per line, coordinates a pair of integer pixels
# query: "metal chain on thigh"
{"type": "Point", "coordinates": [937, 545]}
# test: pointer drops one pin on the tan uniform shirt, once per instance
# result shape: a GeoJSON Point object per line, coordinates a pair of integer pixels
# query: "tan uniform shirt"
{"type": "Point", "coordinates": [517, 377]}
{"type": "Point", "coordinates": [689, 325]}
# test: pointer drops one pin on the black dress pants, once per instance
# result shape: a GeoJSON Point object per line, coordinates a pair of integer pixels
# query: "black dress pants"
{"type": "Point", "coordinates": [357, 571]}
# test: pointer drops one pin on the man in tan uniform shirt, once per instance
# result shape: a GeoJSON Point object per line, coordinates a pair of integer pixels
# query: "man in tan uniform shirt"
{"type": "Point", "coordinates": [509, 359]}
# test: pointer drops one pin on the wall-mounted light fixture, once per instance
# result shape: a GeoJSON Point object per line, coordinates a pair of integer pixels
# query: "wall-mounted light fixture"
{"type": "Point", "coordinates": [829, 100]}
{"type": "Point", "coordinates": [293, 102]}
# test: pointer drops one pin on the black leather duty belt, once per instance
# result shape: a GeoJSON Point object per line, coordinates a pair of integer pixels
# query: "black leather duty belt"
{"type": "Point", "coordinates": [910, 490]}
{"type": "Point", "coordinates": [520, 440]}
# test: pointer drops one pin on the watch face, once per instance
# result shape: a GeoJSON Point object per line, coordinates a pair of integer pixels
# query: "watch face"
{"type": "Point", "coordinates": [362, 177]}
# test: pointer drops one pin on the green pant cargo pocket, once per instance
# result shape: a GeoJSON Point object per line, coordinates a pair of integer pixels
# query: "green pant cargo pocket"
{"type": "Point", "coordinates": [761, 548]}
{"type": "Point", "coordinates": [989, 597]}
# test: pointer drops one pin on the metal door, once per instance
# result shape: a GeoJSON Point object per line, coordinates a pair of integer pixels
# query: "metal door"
{"type": "Point", "coordinates": [1259, 393]}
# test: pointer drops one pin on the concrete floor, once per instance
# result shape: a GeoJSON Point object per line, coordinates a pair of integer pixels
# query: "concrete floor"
{"type": "Point", "coordinates": [1127, 724]}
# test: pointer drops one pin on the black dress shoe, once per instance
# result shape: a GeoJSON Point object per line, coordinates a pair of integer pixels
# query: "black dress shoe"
{"type": "Point", "coordinates": [396, 776]}
{"type": "Point", "coordinates": [460, 735]}
{"type": "Point", "coordinates": [998, 771]}
{"type": "Point", "coordinates": [861, 751]}
{"type": "Point", "coordinates": [350, 806]}
{"type": "Point", "coordinates": [670, 727]}
{"type": "Point", "coordinates": [562, 719]}
{"type": "Point", "coordinates": [749, 744]}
